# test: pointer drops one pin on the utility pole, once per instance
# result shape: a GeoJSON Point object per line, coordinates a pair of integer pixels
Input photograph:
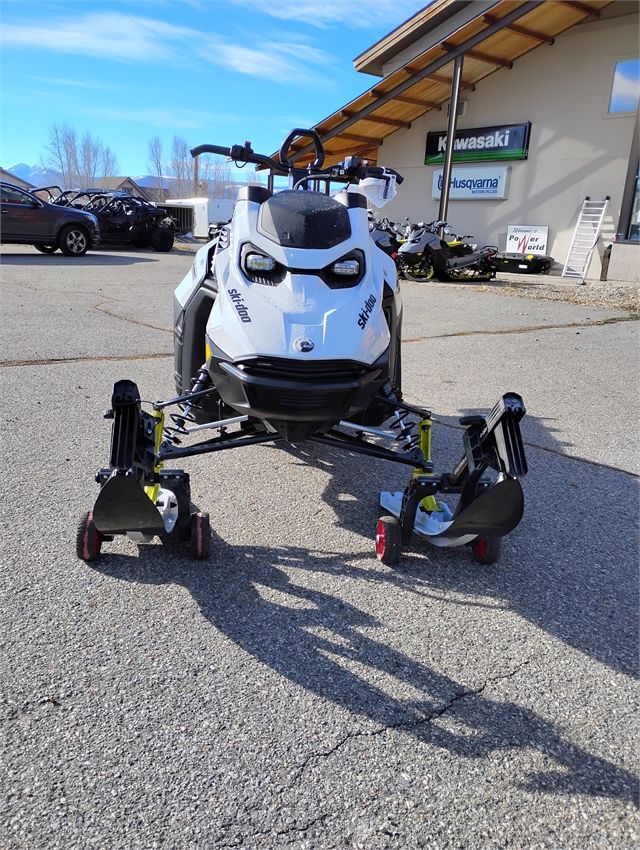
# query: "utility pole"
{"type": "Point", "coordinates": [195, 176]}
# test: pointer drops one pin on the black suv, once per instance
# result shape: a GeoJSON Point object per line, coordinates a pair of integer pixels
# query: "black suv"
{"type": "Point", "coordinates": [28, 220]}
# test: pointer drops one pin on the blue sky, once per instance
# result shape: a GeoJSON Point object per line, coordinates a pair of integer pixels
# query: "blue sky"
{"type": "Point", "coordinates": [217, 71]}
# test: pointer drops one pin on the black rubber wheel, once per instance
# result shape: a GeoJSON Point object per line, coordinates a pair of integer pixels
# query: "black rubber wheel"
{"type": "Point", "coordinates": [200, 542]}
{"type": "Point", "coordinates": [162, 239]}
{"type": "Point", "coordinates": [388, 540]}
{"type": "Point", "coordinates": [45, 249]}
{"type": "Point", "coordinates": [486, 550]}
{"type": "Point", "coordinates": [73, 241]}
{"type": "Point", "coordinates": [141, 240]}
{"type": "Point", "coordinates": [88, 539]}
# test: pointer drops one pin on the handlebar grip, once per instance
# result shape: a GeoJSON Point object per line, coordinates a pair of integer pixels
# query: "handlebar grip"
{"type": "Point", "coordinates": [210, 149]}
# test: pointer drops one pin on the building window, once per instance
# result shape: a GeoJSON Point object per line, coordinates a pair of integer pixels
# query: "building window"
{"type": "Point", "coordinates": [625, 90]}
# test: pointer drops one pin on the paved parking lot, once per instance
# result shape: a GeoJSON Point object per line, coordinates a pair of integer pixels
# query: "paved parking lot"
{"type": "Point", "coordinates": [293, 692]}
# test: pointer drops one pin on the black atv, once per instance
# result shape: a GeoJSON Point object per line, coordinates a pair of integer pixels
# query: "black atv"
{"type": "Point", "coordinates": [123, 218]}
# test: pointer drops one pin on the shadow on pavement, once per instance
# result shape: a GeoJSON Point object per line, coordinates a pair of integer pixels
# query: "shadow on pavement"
{"type": "Point", "coordinates": [299, 631]}
{"type": "Point", "coordinates": [570, 567]}
{"type": "Point", "coordinates": [93, 258]}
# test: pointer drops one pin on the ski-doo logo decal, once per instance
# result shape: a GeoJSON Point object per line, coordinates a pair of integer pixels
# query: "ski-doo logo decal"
{"type": "Point", "coordinates": [366, 311]}
{"type": "Point", "coordinates": [238, 303]}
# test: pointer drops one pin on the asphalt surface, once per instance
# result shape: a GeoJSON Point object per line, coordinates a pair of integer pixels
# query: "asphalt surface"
{"type": "Point", "coordinates": [292, 692]}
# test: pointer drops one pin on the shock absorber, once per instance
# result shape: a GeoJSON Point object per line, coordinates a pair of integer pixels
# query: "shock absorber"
{"type": "Point", "coordinates": [179, 420]}
{"type": "Point", "coordinates": [407, 433]}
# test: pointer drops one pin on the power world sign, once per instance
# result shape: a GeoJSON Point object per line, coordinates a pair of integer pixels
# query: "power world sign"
{"type": "Point", "coordinates": [482, 144]}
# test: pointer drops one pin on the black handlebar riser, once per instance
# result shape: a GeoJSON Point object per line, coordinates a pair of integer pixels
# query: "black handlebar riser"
{"type": "Point", "coordinates": [299, 132]}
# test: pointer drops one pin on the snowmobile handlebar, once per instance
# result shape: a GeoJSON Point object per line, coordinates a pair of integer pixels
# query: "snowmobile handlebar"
{"type": "Point", "coordinates": [351, 168]}
{"type": "Point", "coordinates": [242, 153]}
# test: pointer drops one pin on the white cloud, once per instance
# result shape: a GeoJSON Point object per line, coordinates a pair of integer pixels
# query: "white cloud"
{"type": "Point", "coordinates": [354, 14]}
{"type": "Point", "coordinates": [126, 38]}
{"type": "Point", "coordinates": [277, 61]}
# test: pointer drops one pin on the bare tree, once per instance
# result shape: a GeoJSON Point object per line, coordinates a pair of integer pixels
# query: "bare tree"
{"type": "Point", "coordinates": [155, 161]}
{"type": "Point", "coordinates": [62, 153]}
{"type": "Point", "coordinates": [218, 177]}
{"type": "Point", "coordinates": [86, 163]}
{"type": "Point", "coordinates": [182, 168]}
{"type": "Point", "coordinates": [88, 160]}
{"type": "Point", "coordinates": [108, 162]}
{"type": "Point", "coordinates": [210, 178]}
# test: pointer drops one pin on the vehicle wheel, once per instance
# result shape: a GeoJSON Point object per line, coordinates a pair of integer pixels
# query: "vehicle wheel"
{"type": "Point", "coordinates": [418, 273]}
{"type": "Point", "coordinates": [200, 542]}
{"type": "Point", "coordinates": [45, 249]}
{"type": "Point", "coordinates": [486, 550]}
{"type": "Point", "coordinates": [141, 240]}
{"type": "Point", "coordinates": [88, 539]}
{"type": "Point", "coordinates": [73, 241]}
{"type": "Point", "coordinates": [388, 540]}
{"type": "Point", "coordinates": [162, 239]}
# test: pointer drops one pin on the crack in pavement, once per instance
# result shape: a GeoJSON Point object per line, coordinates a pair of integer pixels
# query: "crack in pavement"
{"type": "Point", "coordinates": [415, 724]}
{"type": "Point", "coordinates": [52, 361]}
{"type": "Point", "coordinates": [113, 315]}
{"type": "Point", "coordinates": [524, 329]}
{"type": "Point", "coordinates": [279, 832]}
{"type": "Point", "coordinates": [401, 725]}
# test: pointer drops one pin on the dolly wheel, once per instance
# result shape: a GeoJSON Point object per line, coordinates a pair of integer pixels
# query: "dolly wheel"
{"type": "Point", "coordinates": [88, 539]}
{"type": "Point", "coordinates": [486, 550]}
{"type": "Point", "coordinates": [200, 542]}
{"type": "Point", "coordinates": [388, 540]}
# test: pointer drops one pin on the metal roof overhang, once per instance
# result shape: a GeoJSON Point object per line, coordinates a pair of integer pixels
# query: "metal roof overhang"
{"type": "Point", "coordinates": [494, 39]}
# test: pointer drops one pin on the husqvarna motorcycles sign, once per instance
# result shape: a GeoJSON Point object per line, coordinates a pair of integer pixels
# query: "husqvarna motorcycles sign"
{"type": "Point", "coordinates": [483, 144]}
{"type": "Point", "coordinates": [482, 183]}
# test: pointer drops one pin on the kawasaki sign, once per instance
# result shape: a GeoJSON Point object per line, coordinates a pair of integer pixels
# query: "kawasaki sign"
{"type": "Point", "coordinates": [483, 144]}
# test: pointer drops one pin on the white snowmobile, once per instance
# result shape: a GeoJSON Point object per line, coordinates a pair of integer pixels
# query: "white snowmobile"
{"type": "Point", "coordinates": [288, 327]}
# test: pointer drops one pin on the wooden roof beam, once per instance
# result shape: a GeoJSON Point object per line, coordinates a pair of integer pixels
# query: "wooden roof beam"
{"type": "Point", "coordinates": [437, 78]}
{"type": "Point", "coordinates": [481, 57]}
{"type": "Point", "coordinates": [582, 7]}
{"type": "Point", "coordinates": [351, 137]}
{"type": "Point", "coordinates": [390, 122]}
{"type": "Point", "coordinates": [410, 101]}
{"type": "Point", "coordinates": [538, 36]}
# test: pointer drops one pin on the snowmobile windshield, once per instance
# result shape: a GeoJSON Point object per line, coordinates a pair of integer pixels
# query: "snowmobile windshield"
{"type": "Point", "coordinates": [304, 220]}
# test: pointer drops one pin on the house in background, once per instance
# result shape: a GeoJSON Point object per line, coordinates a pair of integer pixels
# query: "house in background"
{"type": "Point", "coordinates": [122, 184]}
{"type": "Point", "coordinates": [8, 177]}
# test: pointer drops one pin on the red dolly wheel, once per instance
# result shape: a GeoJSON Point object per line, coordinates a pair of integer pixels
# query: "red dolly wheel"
{"type": "Point", "coordinates": [388, 540]}
{"type": "Point", "coordinates": [486, 550]}
{"type": "Point", "coordinates": [200, 541]}
{"type": "Point", "coordinates": [88, 539]}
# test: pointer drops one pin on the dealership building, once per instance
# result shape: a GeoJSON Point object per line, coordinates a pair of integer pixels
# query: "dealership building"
{"type": "Point", "coordinates": [546, 116]}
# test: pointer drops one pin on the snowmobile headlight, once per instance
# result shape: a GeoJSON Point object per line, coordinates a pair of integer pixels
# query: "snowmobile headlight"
{"type": "Point", "coordinates": [259, 263]}
{"type": "Point", "coordinates": [346, 268]}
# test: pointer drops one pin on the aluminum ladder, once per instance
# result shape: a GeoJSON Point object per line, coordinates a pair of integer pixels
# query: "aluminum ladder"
{"type": "Point", "coordinates": [585, 238]}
